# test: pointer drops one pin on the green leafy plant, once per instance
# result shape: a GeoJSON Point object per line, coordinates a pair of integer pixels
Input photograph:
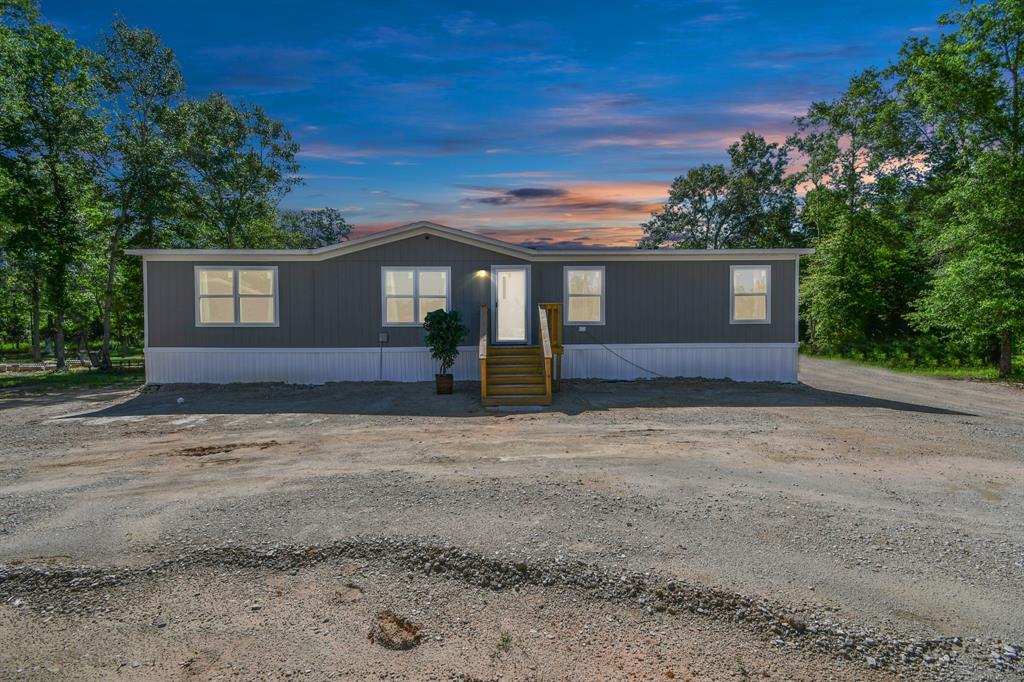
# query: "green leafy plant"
{"type": "Point", "coordinates": [444, 332]}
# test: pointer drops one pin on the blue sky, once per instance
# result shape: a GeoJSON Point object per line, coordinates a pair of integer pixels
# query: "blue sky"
{"type": "Point", "coordinates": [540, 122]}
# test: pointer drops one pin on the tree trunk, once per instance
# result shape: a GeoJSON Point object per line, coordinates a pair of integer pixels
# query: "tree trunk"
{"type": "Point", "coordinates": [108, 297]}
{"type": "Point", "coordinates": [1005, 355]}
{"type": "Point", "coordinates": [58, 342]}
{"type": "Point", "coordinates": [37, 351]}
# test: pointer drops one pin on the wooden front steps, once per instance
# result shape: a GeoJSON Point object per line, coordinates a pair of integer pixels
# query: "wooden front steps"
{"type": "Point", "coordinates": [515, 376]}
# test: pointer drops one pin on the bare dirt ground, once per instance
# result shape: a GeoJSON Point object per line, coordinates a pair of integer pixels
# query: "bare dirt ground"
{"type": "Point", "coordinates": [862, 524]}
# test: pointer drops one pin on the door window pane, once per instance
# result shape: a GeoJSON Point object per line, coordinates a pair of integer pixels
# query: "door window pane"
{"type": "Point", "coordinates": [512, 306]}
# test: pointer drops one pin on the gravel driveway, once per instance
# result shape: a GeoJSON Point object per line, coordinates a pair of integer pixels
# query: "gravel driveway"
{"type": "Point", "coordinates": [858, 525]}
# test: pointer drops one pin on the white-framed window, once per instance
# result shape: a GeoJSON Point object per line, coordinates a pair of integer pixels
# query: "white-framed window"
{"type": "Point", "coordinates": [236, 296]}
{"type": "Point", "coordinates": [409, 293]}
{"type": "Point", "coordinates": [750, 300]}
{"type": "Point", "coordinates": [584, 294]}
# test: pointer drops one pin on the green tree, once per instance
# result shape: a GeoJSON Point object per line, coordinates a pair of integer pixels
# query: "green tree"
{"type": "Point", "coordinates": [141, 84]}
{"type": "Point", "coordinates": [49, 132]}
{"type": "Point", "coordinates": [313, 228]}
{"type": "Point", "coordinates": [762, 193]}
{"type": "Point", "coordinates": [238, 164]}
{"type": "Point", "coordinates": [697, 213]}
{"type": "Point", "coordinates": [749, 204]}
{"type": "Point", "coordinates": [868, 265]}
{"type": "Point", "coordinates": [966, 89]}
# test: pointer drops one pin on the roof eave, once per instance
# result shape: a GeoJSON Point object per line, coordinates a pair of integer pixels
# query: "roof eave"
{"type": "Point", "coordinates": [427, 227]}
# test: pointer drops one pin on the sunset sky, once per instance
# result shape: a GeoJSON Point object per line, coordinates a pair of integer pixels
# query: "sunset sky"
{"type": "Point", "coordinates": [546, 123]}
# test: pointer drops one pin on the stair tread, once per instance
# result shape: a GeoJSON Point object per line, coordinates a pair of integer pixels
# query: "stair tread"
{"type": "Point", "coordinates": [516, 400]}
{"type": "Point", "coordinates": [516, 369]}
{"type": "Point", "coordinates": [497, 391]}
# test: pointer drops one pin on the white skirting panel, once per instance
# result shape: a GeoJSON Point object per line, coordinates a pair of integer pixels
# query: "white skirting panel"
{"type": "Point", "coordinates": [300, 365]}
{"type": "Point", "coordinates": [736, 361]}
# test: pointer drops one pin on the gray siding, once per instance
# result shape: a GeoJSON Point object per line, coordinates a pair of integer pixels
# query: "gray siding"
{"type": "Point", "coordinates": [336, 303]}
{"type": "Point", "coordinates": [674, 302]}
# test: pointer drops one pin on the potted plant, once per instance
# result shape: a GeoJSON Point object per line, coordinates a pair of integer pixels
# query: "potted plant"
{"type": "Point", "coordinates": [444, 332]}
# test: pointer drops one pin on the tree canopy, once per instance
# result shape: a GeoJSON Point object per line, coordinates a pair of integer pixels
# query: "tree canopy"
{"type": "Point", "coordinates": [102, 151]}
{"type": "Point", "coordinates": [908, 186]}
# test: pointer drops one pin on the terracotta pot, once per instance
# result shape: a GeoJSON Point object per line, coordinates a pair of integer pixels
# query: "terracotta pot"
{"type": "Point", "coordinates": [445, 383]}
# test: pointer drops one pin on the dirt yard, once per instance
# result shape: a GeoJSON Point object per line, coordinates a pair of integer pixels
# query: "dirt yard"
{"type": "Point", "coordinates": [861, 525]}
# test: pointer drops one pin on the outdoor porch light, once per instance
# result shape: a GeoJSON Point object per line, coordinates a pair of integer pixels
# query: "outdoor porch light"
{"type": "Point", "coordinates": [481, 273]}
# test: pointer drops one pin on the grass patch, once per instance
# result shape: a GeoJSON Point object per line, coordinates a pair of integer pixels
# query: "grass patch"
{"type": "Point", "coordinates": [932, 369]}
{"type": "Point", "coordinates": [23, 353]}
{"type": "Point", "coordinates": [75, 378]}
{"type": "Point", "coordinates": [503, 647]}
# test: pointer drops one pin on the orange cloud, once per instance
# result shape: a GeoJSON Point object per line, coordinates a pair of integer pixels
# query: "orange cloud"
{"type": "Point", "coordinates": [594, 213]}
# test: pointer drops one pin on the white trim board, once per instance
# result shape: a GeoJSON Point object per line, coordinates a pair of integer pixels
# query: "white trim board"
{"type": "Point", "coordinates": [424, 227]}
{"type": "Point", "coordinates": [736, 361]}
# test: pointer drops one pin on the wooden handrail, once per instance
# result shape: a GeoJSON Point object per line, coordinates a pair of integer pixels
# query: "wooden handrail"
{"type": "Point", "coordinates": [553, 313]}
{"type": "Point", "coordinates": [484, 326]}
{"type": "Point", "coordinates": [545, 344]}
{"type": "Point", "coordinates": [545, 333]}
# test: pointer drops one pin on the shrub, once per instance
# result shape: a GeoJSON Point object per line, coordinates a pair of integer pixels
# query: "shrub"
{"type": "Point", "coordinates": [444, 332]}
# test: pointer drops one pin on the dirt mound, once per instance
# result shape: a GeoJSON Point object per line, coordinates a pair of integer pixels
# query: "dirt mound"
{"type": "Point", "coordinates": [205, 450]}
{"type": "Point", "coordinates": [392, 631]}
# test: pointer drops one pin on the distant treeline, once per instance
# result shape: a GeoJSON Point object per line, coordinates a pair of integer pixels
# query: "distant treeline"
{"type": "Point", "coordinates": [100, 150]}
{"type": "Point", "coordinates": [910, 186]}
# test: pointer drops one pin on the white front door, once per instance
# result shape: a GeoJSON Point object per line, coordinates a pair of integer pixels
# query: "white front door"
{"type": "Point", "coordinates": [510, 291]}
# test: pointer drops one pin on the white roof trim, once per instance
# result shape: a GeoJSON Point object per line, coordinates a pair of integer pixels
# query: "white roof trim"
{"type": "Point", "coordinates": [428, 228]}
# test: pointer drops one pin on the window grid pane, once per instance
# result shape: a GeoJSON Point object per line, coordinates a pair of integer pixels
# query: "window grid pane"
{"type": "Point", "coordinates": [400, 309]}
{"type": "Point", "coordinates": [751, 307]}
{"type": "Point", "coordinates": [216, 282]}
{"type": "Point", "coordinates": [256, 309]}
{"type": "Point", "coordinates": [433, 283]}
{"type": "Point", "coordinates": [750, 281]}
{"type": "Point", "coordinates": [586, 282]}
{"type": "Point", "coordinates": [217, 309]}
{"type": "Point", "coordinates": [584, 309]}
{"type": "Point", "coordinates": [256, 282]}
{"type": "Point", "coordinates": [398, 282]}
{"type": "Point", "coordinates": [429, 304]}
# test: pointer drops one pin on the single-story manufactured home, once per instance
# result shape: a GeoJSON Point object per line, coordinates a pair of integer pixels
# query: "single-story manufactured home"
{"type": "Point", "coordinates": [353, 312]}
